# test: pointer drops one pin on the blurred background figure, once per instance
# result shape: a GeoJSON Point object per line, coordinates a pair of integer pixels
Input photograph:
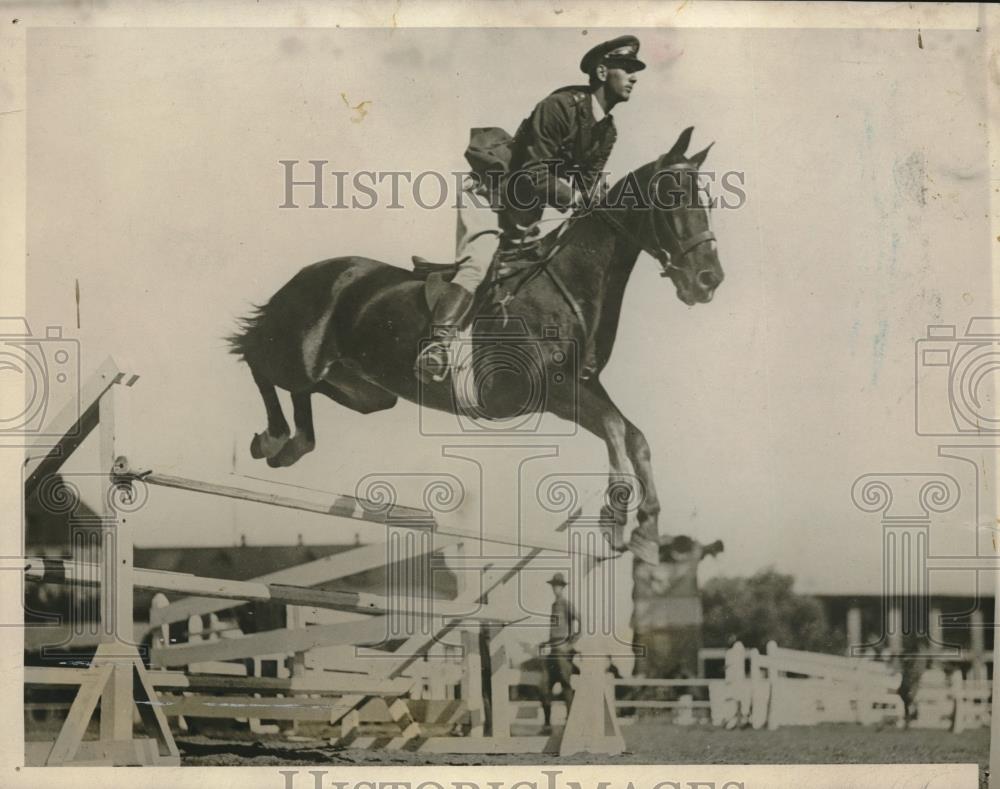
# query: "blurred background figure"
{"type": "Point", "coordinates": [667, 610]}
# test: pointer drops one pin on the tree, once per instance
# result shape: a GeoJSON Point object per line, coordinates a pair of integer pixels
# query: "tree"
{"type": "Point", "coordinates": [762, 608]}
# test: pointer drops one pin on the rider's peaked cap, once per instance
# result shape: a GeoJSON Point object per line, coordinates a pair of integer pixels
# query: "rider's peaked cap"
{"type": "Point", "coordinates": [617, 53]}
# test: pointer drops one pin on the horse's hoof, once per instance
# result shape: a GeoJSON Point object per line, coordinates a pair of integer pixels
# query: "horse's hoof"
{"type": "Point", "coordinates": [644, 549]}
{"type": "Point", "coordinates": [616, 544]}
{"type": "Point", "coordinates": [264, 445]}
{"type": "Point", "coordinates": [297, 446]}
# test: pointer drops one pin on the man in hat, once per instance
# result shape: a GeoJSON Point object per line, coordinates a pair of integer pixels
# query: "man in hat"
{"type": "Point", "coordinates": [557, 156]}
{"type": "Point", "coordinates": [558, 660]}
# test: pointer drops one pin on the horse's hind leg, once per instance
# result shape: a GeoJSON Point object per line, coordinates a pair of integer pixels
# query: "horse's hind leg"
{"type": "Point", "coordinates": [269, 443]}
{"type": "Point", "coordinates": [304, 440]}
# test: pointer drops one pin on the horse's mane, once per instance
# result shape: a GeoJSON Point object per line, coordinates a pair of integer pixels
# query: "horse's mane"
{"type": "Point", "coordinates": [642, 175]}
{"type": "Point", "coordinates": [674, 159]}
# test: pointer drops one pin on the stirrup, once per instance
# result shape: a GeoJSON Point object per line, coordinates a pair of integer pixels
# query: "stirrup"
{"type": "Point", "coordinates": [429, 350]}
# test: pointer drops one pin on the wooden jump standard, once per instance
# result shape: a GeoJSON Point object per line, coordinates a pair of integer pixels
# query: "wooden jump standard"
{"type": "Point", "coordinates": [117, 678]}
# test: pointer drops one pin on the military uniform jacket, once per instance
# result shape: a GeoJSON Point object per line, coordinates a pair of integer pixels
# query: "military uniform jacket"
{"type": "Point", "coordinates": [559, 139]}
{"type": "Point", "coordinates": [561, 631]}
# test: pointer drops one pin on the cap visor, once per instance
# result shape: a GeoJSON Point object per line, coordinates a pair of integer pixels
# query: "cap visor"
{"type": "Point", "coordinates": [629, 64]}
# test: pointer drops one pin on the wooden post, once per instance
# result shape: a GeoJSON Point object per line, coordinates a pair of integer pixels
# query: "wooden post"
{"type": "Point", "coordinates": [855, 634]}
{"type": "Point", "coordinates": [777, 705]}
{"type": "Point", "coordinates": [592, 723]}
{"type": "Point", "coordinates": [958, 721]}
{"type": "Point", "coordinates": [159, 602]}
{"type": "Point", "coordinates": [935, 632]}
{"type": "Point", "coordinates": [502, 599]}
{"type": "Point", "coordinates": [162, 637]}
{"type": "Point", "coordinates": [297, 662]}
{"type": "Point", "coordinates": [472, 680]}
{"type": "Point", "coordinates": [685, 711]}
{"type": "Point", "coordinates": [977, 646]}
{"type": "Point", "coordinates": [730, 705]}
{"type": "Point", "coordinates": [116, 593]}
{"type": "Point", "coordinates": [760, 693]}
{"type": "Point", "coordinates": [116, 675]}
{"type": "Point", "coordinates": [895, 631]}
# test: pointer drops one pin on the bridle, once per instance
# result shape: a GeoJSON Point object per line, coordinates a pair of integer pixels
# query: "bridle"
{"type": "Point", "coordinates": [684, 246]}
{"type": "Point", "coordinates": [659, 251]}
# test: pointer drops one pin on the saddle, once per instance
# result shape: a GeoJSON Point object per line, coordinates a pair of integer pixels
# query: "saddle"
{"type": "Point", "coordinates": [516, 262]}
{"type": "Point", "coordinates": [525, 254]}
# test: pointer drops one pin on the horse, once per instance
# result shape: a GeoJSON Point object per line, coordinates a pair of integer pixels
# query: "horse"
{"type": "Point", "coordinates": [351, 327]}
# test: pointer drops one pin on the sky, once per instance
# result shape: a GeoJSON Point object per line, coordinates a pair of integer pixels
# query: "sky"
{"type": "Point", "coordinates": [154, 187]}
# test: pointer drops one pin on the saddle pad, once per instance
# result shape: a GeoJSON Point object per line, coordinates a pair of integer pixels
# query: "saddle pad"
{"type": "Point", "coordinates": [434, 287]}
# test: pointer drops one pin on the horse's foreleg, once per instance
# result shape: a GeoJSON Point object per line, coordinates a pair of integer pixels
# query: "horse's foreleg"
{"type": "Point", "coordinates": [598, 415]}
{"type": "Point", "coordinates": [304, 440]}
{"type": "Point", "coordinates": [269, 443]}
{"type": "Point", "coordinates": [644, 541]}
{"type": "Point", "coordinates": [649, 508]}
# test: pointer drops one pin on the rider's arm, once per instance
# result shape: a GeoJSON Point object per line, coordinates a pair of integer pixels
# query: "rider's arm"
{"type": "Point", "coordinates": [551, 130]}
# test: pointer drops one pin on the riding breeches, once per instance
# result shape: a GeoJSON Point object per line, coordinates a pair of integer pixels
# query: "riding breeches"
{"type": "Point", "coordinates": [472, 221]}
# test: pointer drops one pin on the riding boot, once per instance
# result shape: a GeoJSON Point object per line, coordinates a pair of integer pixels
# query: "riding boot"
{"type": "Point", "coordinates": [447, 320]}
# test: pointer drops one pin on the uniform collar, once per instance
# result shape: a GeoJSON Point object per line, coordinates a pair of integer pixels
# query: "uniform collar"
{"type": "Point", "coordinates": [595, 105]}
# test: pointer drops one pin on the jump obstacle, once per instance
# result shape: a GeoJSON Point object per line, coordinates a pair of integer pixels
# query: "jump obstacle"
{"type": "Point", "coordinates": [119, 684]}
{"type": "Point", "coordinates": [324, 670]}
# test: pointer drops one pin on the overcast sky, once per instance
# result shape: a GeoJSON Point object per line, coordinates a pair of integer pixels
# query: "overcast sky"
{"type": "Point", "coordinates": [154, 182]}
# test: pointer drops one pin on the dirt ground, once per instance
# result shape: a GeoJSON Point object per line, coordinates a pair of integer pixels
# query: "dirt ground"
{"type": "Point", "coordinates": [649, 741]}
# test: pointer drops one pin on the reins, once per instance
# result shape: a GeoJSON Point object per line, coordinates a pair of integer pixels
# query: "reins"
{"type": "Point", "coordinates": [658, 251]}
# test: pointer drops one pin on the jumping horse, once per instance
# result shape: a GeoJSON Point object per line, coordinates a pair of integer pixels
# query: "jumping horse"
{"type": "Point", "coordinates": [350, 328]}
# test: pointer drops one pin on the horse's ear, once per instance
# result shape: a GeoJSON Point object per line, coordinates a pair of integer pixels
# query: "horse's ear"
{"type": "Point", "coordinates": [676, 153]}
{"type": "Point", "coordinates": [699, 158]}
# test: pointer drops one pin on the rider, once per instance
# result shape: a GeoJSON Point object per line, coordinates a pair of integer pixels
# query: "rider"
{"type": "Point", "coordinates": [568, 137]}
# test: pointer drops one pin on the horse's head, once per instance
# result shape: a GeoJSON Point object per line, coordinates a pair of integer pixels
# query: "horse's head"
{"type": "Point", "coordinates": [677, 231]}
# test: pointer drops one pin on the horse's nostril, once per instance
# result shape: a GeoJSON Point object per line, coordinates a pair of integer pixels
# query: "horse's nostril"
{"type": "Point", "coordinates": [708, 279]}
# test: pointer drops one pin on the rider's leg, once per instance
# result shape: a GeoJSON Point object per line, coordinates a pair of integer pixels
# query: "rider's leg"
{"type": "Point", "coordinates": [447, 319]}
{"type": "Point", "coordinates": [475, 243]}
{"type": "Point", "coordinates": [451, 310]}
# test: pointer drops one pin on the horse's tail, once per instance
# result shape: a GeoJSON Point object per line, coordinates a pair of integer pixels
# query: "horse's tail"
{"type": "Point", "coordinates": [250, 335]}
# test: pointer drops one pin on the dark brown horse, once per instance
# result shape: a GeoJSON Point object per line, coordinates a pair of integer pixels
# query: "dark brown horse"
{"type": "Point", "coordinates": [350, 328]}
